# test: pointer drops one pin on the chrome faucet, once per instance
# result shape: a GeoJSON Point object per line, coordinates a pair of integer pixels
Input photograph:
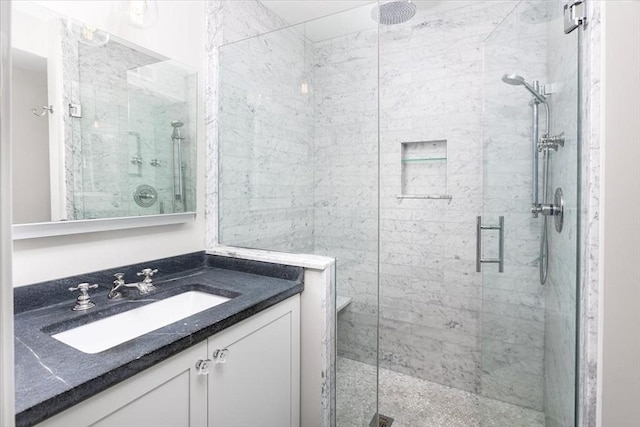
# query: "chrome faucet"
{"type": "Point", "coordinates": [143, 287]}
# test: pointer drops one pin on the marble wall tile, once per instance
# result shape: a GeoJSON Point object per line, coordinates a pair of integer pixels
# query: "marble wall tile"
{"type": "Point", "coordinates": [590, 74]}
{"type": "Point", "coordinates": [265, 192]}
{"type": "Point", "coordinates": [429, 290]}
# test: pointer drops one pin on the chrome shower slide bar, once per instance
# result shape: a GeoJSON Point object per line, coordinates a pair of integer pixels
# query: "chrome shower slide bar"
{"type": "Point", "coordinates": [500, 259]}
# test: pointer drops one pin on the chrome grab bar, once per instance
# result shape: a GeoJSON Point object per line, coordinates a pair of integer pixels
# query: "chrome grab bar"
{"type": "Point", "coordinates": [500, 259]}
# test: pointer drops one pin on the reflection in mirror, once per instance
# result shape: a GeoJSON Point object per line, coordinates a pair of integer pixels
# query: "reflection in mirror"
{"type": "Point", "coordinates": [31, 183]}
{"type": "Point", "coordinates": [102, 128]}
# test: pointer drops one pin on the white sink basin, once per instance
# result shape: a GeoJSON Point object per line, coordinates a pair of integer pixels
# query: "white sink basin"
{"type": "Point", "coordinates": [106, 333]}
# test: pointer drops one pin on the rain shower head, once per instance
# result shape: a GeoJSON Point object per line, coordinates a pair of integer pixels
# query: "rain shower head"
{"type": "Point", "coordinates": [394, 12]}
{"type": "Point", "coordinates": [516, 80]}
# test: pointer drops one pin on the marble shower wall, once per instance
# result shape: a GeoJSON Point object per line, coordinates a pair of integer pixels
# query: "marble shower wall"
{"type": "Point", "coordinates": [266, 133]}
{"type": "Point", "coordinates": [590, 77]}
{"type": "Point", "coordinates": [438, 321]}
{"type": "Point", "coordinates": [431, 299]}
{"type": "Point", "coordinates": [128, 101]}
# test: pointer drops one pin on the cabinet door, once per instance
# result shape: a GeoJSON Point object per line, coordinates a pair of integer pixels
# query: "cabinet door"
{"type": "Point", "coordinates": [168, 394]}
{"type": "Point", "coordinates": [258, 384]}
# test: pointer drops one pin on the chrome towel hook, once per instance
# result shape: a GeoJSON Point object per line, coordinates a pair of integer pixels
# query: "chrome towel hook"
{"type": "Point", "coordinates": [45, 110]}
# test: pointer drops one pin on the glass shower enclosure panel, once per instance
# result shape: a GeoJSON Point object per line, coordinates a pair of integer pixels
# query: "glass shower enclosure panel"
{"type": "Point", "coordinates": [298, 171]}
{"type": "Point", "coordinates": [529, 301]}
{"type": "Point", "coordinates": [465, 342]}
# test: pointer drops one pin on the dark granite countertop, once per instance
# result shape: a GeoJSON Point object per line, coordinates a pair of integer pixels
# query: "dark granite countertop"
{"type": "Point", "coordinates": [51, 376]}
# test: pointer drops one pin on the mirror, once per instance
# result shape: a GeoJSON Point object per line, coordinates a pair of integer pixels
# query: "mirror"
{"type": "Point", "coordinates": [101, 128]}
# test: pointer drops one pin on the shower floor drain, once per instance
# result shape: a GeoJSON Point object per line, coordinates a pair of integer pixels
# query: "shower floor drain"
{"type": "Point", "coordinates": [383, 421]}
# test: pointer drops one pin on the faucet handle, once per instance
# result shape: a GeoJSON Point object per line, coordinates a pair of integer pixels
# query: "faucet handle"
{"type": "Point", "coordinates": [83, 287]}
{"type": "Point", "coordinates": [147, 285]}
{"type": "Point", "coordinates": [83, 302]}
{"type": "Point", "coordinates": [147, 272]}
{"type": "Point", "coordinates": [119, 277]}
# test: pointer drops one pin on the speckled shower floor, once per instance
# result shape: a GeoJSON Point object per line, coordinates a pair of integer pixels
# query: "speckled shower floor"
{"type": "Point", "coordinates": [414, 402]}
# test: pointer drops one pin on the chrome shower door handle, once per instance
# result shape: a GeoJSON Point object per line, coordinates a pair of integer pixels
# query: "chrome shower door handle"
{"type": "Point", "coordinates": [500, 259]}
{"type": "Point", "coordinates": [501, 244]}
{"type": "Point", "coordinates": [478, 244]}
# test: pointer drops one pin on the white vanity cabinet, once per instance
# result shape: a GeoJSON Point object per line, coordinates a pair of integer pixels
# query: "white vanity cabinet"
{"type": "Point", "coordinates": [254, 379]}
{"type": "Point", "coordinates": [258, 383]}
{"type": "Point", "coordinates": [168, 394]}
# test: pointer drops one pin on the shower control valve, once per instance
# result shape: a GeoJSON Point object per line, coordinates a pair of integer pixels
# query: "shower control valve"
{"type": "Point", "coordinates": [550, 142]}
{"type": "Point", "coordinates": [136, 160]}
{"type": "Point", "coordinates": [546, 209]}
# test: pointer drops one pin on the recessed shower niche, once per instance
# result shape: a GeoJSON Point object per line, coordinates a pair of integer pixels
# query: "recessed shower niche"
{"type": "Point", "coordinates": [424, 169]}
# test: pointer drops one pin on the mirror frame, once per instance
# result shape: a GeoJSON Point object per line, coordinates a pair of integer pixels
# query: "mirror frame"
{"type": "Point", "coordinates": [62, 228]}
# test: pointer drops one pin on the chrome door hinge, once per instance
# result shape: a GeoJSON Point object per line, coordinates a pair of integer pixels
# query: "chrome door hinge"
{"type": "Point", "coordinates": [574, 15]}
{"type": "Point", "coordinates": [75, 110]}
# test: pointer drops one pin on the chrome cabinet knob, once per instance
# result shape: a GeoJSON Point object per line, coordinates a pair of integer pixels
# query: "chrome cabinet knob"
{"type": "Point", "coordinates": [220, 355]}
{"type": "Point", "coordinates": [202, 366]}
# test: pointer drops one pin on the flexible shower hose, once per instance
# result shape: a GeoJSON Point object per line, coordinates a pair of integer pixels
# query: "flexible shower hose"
{"type": "Point", "coordinates": [544, 240]}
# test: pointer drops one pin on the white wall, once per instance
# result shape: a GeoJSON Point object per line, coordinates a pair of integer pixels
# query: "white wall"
{"type": "Point", "coordinates": [179, 34]}
{"type": "Point", "coordinates": [6, 292]}
{"type": "Point", "coordinates": [619, 364]}
{"type": "Point", "coordinates": [30, 147]}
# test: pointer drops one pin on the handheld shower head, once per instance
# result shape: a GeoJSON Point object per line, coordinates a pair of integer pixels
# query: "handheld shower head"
{"type": "Point", "coordinates": [176, 134]}
{"type": "Point", "coordinates": [513, 79]}
{"type": "Point", "coordinates": [516, 80]}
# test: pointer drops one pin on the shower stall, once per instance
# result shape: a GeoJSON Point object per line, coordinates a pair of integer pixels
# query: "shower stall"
{"type": "Point", "coordinates": [385, 136]}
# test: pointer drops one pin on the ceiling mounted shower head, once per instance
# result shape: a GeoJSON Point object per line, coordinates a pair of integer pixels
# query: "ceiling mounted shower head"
{"type": "Point", "coordinates": [394, 12]}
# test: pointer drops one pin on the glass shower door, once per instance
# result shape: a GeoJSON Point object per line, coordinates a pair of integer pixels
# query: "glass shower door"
{"type": "Point", "coordinates": [529, 327]}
